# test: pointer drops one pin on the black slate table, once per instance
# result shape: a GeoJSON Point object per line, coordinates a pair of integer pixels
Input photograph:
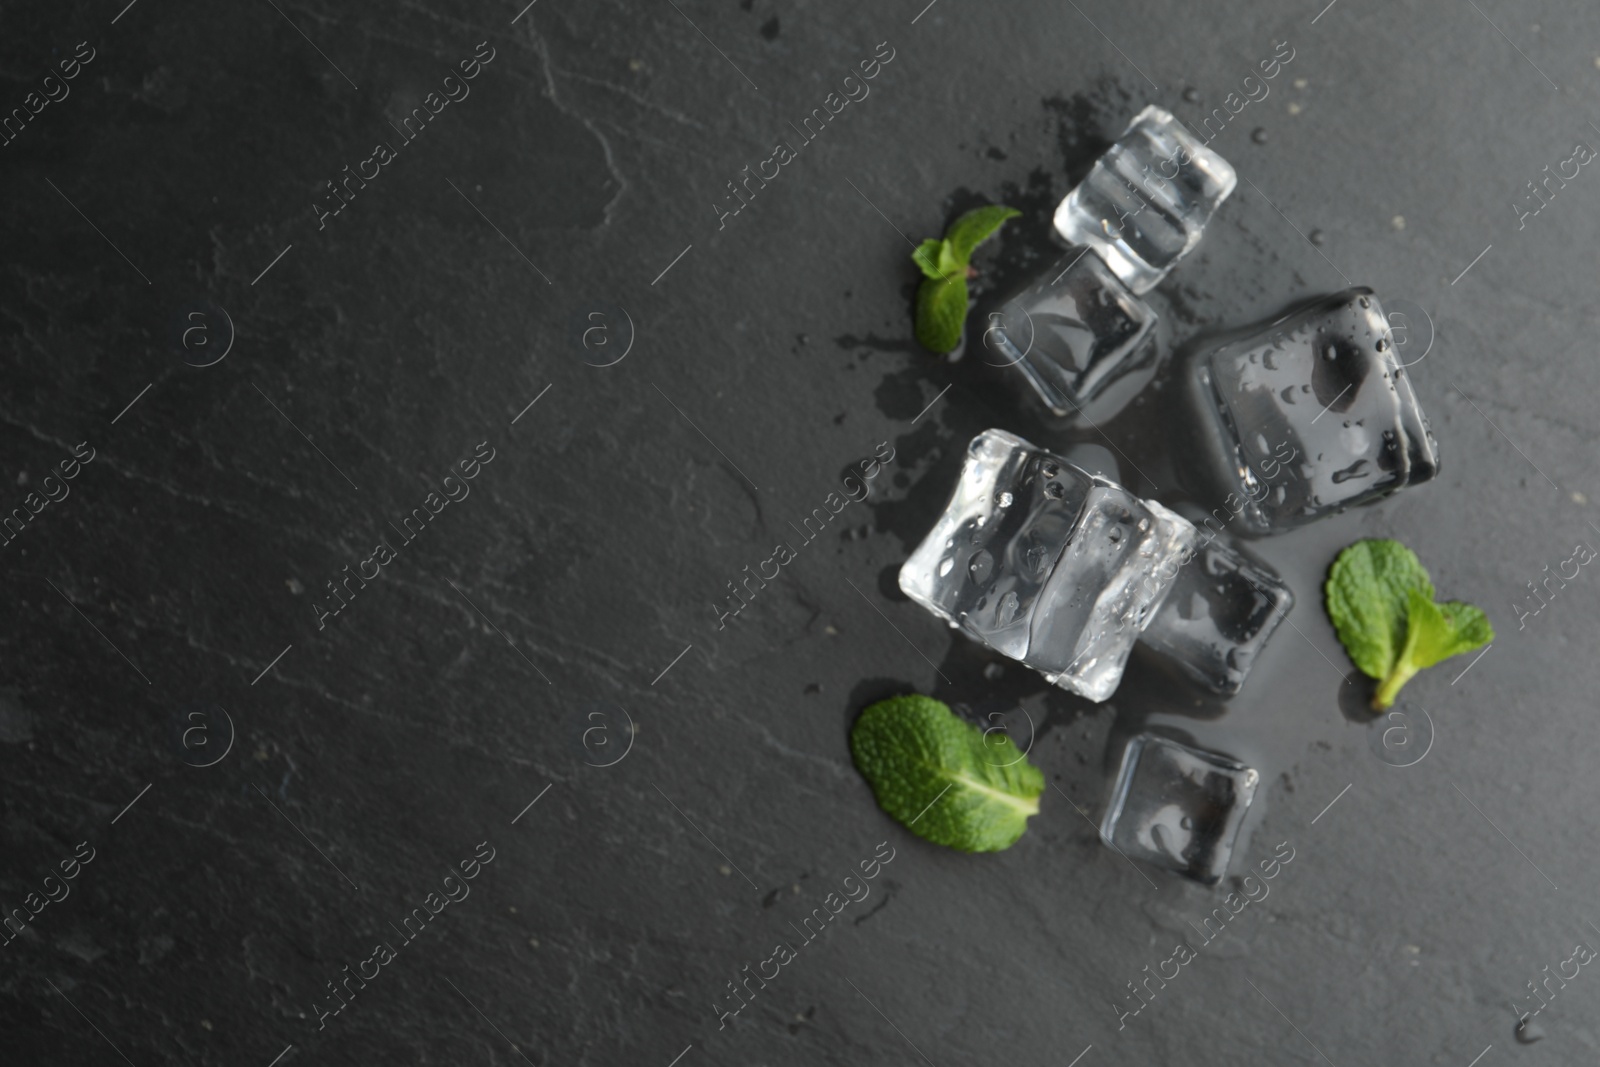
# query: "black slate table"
{"type": "Point", "coordinates": [426, 374]}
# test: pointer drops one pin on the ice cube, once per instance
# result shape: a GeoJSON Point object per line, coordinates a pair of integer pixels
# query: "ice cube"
{"type": "Point", "coordinates": [1072, 330]}
{"type": "Point", "coordinates": [1145, 202]}
{"type": "Point", "coordinates": [1218, 616]}
{"type": "Point", "coordinates": [1178, 807]}
{"type": "Point", "coordinates": [1314, 413]}
{"type": "Point", "coordinates": [1046, 563]}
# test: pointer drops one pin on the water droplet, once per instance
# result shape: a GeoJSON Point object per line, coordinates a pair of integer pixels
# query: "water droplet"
{"type": "Point", "coordinates": [1003, 500]}
{"type": "Point", "coordinates": [1192, 95]}
{"type": "Point", "coordinates": [980, 566]}
{"type": "Point", "coordinates": [1006, 612]}
{"type": "Point", "coordinates": [1352, 471]}
{"type": "Point", "coordinates": [1054, 491]}
{"type": "Point", "coordinates": [1259, 135]}
{"type": "Point", "coordinates": [1382, 345]}
{"type": "Point", "coordinates": [1330, 353]}
{"type": "Point", "coordinates": [1115, 535]}
{"type": "Point", "coordinates": [1365, 302]}
{"type": "Point", "coordinates": [1186, 822]}
{"type": "Point", "coordinates": [1317, 237]}
{"type": "Point", "coordinates": [1049, 470]}
{"type": "Point", "coordinates": [946, 565]}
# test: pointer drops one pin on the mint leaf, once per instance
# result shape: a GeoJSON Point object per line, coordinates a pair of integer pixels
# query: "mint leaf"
{"type": "Point", "coordinates": [942, 778]}
{"type": "Point", "coordinates": [1380, 601]}
{"type": "Point", "coordinates": [928, 255]}
{"type": "Point", "coordinates": [942, 299]}
{"type": "Point", "coordinates": [941, 312]}
{"type": "Point", "coordinates": [1368, 589]}
{"type": "Point", "coordinates": [976, 227]}
{"type": "Point", "coordinates": [1434, 633]}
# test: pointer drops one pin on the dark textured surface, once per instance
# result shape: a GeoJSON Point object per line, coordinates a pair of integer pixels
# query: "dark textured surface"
{"type": "Point", "coordinates": [495, 659]}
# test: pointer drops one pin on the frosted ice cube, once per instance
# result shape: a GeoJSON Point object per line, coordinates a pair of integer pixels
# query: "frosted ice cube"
{"type": "Point", "coordinates": [1146, 201]}
{"type": "Point", "coordinates": [1222, 609]}
{"type": "Point", "coordinates": [1314, 413]}
{"type": "Point", "coordinates": [1178, 807]}
{"type": "Point", "coordinates": [1072, 330]}
{"type": "Point", "coordinates": [1046, 563]}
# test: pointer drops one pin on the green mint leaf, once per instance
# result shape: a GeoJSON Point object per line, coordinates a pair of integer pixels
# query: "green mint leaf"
{"type": "Point", "coordinates": [975, 227]}
{"type": "Point", "coordinates": [1380, 601]}
{"type": "Point", "coordinates": [942, 299]}
{"type": "Point", "coordinates": [1471, 626]}
{"type": "Point", "coordinates": [928, 256]}
{"type": "Point", "coordinates": [943, 778]}
{"type": "Point", "coordinates": [1368, 589]}
{"type": "Point", "coordinates": [942, 312]}
{"type": "Point", "coordinates": [1434, 633]}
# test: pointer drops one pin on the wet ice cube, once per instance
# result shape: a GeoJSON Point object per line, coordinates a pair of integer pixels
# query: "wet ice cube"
{"type": "Point", "coordinates": [1218, 616]}
{"type": "Point", "coordinates": [1146, 201]}
{"type": "Point", "coordinates": [1072, 330]}
{"type": "Point", "coordinates": [1314, 413]}
{"type": "Point", "coordinates": [1046, 563]}
{"type": "Point", "coordinates": [1178, 807]}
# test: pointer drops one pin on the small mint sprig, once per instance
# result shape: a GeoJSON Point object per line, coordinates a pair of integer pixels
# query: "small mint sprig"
{"type": "Point", "coordinates": [942, 298]}
{"type": "Point", "coordinates": [1380, 600]}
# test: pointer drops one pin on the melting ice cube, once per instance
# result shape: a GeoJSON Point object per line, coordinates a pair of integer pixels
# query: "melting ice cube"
{"type": "Point", "coordinates": [1218, 616]}
{"type": "Point", "coordinates": [1146, 200]}
{"type": "Point", "coordinates": [1046, 563]}
{"type": "Point", "coordinates": [1072, 330]}
{"type": "Point", "coordinates": [1178, 807]}
{"type": "Point", "coordinates": [1314, 413]}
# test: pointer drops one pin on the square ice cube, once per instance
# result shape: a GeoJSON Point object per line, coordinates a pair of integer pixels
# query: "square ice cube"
{"type": "Point", "coordinates": [1222, 609]}
{"type": "Point", "coordinates": [1046, 563]}
{"type": "Point", "coordinates": [1178, 807]}
{"type": "Point", "coordinates": [1146, 201]}
{"type": "Point", "coordinates": [1314, 413]}
{"type": "Point", "coordinates": [1072, 330]}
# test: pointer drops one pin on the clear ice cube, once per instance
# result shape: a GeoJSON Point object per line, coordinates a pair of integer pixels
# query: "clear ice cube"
{"type": "Point", "coordinates": [1314, 413]}
{"type": "Point", "coordinates": [1178, 807]}
{"type": "Point", "coordinates": [1146, 201]}
{"type": "Point", "coordinates": [1046, 563]}
{"type": "Point", "coordinates": [1218, 616]}
{"type": "Point", "coordinates": [1071, 331]}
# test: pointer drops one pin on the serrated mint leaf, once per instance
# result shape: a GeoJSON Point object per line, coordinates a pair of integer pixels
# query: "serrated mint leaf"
{"type": "Point", "coordinates": [1380, 601]}
{"type": "Point", "coordinates": [1470, 624]}
{"type": "Point", "coordinates": [942, 299]}
{"type": "Point", "coordinates": [975, 227]}
{"type": "Point", "coordinates": [1434, 633]}
{"type": "Point", "coordinates": [928, 255]}
{"type": "Point", "coordinates": [943, 778]}
{"type": "Point", "coordinates": [941, 312]}
{"type": "Point", "coordinates": [1368, 589]}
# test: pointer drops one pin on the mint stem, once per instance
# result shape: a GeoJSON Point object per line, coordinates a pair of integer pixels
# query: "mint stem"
{"type": "Point", "coordinates": [1390, 688]}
